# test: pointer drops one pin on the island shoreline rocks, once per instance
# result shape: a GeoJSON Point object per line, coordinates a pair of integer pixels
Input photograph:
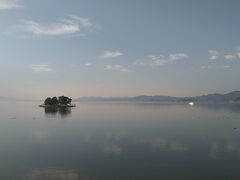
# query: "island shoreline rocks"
{"type": "Point", "coordinates": [57, 106]}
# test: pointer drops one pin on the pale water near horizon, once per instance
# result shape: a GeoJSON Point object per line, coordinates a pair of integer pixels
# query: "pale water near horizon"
{"type": "Point", "coordinates": [127, 141]}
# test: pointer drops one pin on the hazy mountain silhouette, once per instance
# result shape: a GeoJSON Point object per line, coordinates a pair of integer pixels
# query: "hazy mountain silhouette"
{"type": "Point", "coordinates": [204, 98]}
{"type": "Point", "coordinates": [219, 97]}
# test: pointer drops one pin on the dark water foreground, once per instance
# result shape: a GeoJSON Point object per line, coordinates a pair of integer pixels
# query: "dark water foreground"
{"type": "Point", "coordinates": [119, 142]}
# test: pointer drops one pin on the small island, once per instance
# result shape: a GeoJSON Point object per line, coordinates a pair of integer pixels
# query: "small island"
{"type": "Point", "coordinates": [60, 102]}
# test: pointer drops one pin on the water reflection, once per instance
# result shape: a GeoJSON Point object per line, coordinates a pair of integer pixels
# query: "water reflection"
{"type": "Point", "coordinates": [219, 107]}
{"type": "Point", "coordinates": [63, 111]}
{"type": "Point", "coordinates": [166, 144]}
{"type": "Point", "coordinates": [52, 173]}
{"type": "Point", "coordinates": [112, 149]}
{"type": "Point", "coordinates": [218, 149]}
{"type": "Point", "coordinates": [120, 141]}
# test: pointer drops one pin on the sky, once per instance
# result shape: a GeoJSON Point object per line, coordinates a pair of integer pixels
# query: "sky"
{"type": "Point", "coordinates": [118, 48]}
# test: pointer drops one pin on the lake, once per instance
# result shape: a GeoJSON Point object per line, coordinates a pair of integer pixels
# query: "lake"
{"type": "Point", "coordinates": [119, 141]}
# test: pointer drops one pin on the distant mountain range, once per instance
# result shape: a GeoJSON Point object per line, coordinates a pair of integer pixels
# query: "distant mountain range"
{"type": "Point", "coordinates": [209, 98]}
{"type": "Point", "coordinates": [215, 98]}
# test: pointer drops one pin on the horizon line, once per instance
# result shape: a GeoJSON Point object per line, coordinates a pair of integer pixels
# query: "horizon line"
{"type": "Point", "coordinates": [7, 98]}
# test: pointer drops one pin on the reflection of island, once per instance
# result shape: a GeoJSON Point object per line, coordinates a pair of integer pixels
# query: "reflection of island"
{"type": "Point", "coordinates": [62, 111]}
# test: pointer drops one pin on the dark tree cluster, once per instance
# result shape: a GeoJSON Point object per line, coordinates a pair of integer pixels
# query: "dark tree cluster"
{"type": "Point", "coordinates": [61, 100]}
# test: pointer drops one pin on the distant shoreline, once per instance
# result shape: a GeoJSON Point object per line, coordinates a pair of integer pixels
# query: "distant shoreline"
{"type": "Point", "coordinates": [209, 98]}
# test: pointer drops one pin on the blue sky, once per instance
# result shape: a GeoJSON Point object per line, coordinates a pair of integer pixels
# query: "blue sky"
{"type": "Point", "coordinates": [118, 48]}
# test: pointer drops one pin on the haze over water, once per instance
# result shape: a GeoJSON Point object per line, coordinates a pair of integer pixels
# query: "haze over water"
{"type": "Point", "coordinates": [119, 141]}
{"type": "Point", "coordinates": [139, 50]}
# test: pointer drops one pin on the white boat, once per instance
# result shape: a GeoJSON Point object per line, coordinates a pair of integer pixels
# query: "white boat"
{"type": "Point", "coordinates": [191, 103]}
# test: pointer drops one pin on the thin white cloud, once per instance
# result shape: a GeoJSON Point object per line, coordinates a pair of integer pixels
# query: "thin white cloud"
{"type": "Point", "coordinates": [234, 55]}
{"type": "Point", "coordinates": [65, 26]}
{"type": "Point", "coordinates": [139, 63]}
{"type": "Point", "coordinates": [213, 67]}
{"type": "Point", "coordinates": [238, 55]}
{"type": "Point", "coordinates": [157, 60]}
{"type": "Point", "coordinates": [205, 67]}
{"type": "Point", "coordinates": [111, 54]}
{"type": "Point", "coordinates": [41, 68]}
{"type": "Point", "coordinates": [87, 64]}
{"type": "Point", "coordinates": [9, 4]}
{"type": "Point", "coordinates": [85, 22]}
{"type": "Point", "coordinates": [125, 70]}
{"type": "Point", "coordinates": [213, 54]}
{"type": "Point", "coordinates": [161, 60]}
{"type": "Point", "coordinates": [116, 67]}
{"type": "Point", "coordinates": [226, 66]}
{"type": "Point", "coordinates": [177, 56]}
{"type": "Point", "coordinates": [230, 56]}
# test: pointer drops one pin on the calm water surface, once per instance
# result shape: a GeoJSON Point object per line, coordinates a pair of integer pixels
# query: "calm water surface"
{"type": "Point", "coordinates": [100, 141]}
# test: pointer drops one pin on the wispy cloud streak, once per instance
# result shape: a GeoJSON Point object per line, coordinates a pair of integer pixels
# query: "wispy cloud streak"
{"type": "Point", "coordinates": [161, 60]}
{"type": "Point", "coordinates": [88, 64]}
{"type": "Point", "coordinates": [111, 54]}
{"type": "Point", "coordinates": [177, 56]}
{"type": "Point", "coordinates": [231, 56]}
{"type": "Point", "coordinates": [9, 4]}
{"type": "Point", "coordinates": [65, 26]}
{"type": "Point", "coordinates": [41, 68]}
{"type": "Point", "coordinates": [213, 54]}
{"type": "Point", "coordinates": [116, 67]}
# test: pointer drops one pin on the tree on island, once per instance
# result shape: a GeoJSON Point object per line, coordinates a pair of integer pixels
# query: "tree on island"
{"type": "Point", "coordinates": [61, 100]}
{"type": "Point", "coordinates": [64, 100]}
{"type": "Point", "coordinates": [48, 101]}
